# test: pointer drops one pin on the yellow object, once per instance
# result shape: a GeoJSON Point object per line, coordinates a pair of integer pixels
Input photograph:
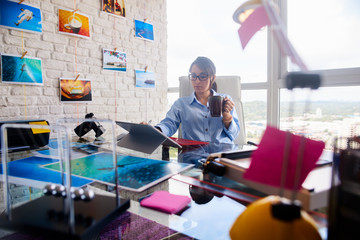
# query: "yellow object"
{"type": "Point", "coordinates": [39, 130]}
{"type": "Point", "coordinates": [258, 223]}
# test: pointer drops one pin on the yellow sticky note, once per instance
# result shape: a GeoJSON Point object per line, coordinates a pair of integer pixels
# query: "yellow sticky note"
{"type": "Point", "coordinates": [39, 130]}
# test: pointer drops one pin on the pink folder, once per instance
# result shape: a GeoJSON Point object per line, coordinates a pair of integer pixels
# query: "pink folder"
{"type": "Point", "coordinates": [266, 161]}
{"type": "Point", "coordinates": [166, 202]}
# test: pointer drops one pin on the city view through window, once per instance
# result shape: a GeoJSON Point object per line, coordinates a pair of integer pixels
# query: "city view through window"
{"type": "Point", "coordinates": [322, 120]}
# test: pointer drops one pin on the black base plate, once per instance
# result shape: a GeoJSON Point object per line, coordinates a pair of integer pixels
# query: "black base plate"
{"type": "Point", "coordinates": [45, 216]}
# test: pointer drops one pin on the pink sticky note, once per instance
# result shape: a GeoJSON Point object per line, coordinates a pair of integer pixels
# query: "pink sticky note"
{"type": "Point", "coordinates": [266, 161]}
{"type": "Point", "coordinates": [252, 24]}
{"type": "Point", "coordinates": [166, 202]}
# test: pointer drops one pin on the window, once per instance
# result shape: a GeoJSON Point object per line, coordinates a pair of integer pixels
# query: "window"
{"type": "Point", "coordinates": [206, 28]}
{"type": "Point", "coordinates": [328, 42]}
{"type": "Point", "coordinates": [254, 105]}
{"type": "Point", "coordinates": [327, 113]}
{"type": "Point", "coordinates": [324, 32]}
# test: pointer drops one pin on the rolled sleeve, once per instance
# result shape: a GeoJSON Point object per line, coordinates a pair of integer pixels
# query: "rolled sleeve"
{"type": "Point", "coordinates": [232, 131]}
{"type": "Point", "coordinates": [234, 128]}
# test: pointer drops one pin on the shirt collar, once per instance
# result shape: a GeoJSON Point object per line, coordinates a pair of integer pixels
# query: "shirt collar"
{"type": "Point", "coordinates": [193, 98]}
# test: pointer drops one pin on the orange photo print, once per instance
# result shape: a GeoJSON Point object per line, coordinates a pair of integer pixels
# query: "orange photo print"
{"type": "Point", "coordinates": [75, 90]}
{"type": "Point", "coordinates": [73, 23]}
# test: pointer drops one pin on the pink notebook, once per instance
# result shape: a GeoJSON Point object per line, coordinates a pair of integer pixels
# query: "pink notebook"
{"type": "Point", "coordinates": [166, 202]}
{"type": "Point", "coordinates": [187, 142]}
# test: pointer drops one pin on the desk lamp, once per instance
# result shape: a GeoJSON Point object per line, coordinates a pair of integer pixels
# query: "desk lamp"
{"type": "Point", "coordinates": [255, 14]}
{"type": "Point", "coordinates": [245, 9]}
{"type": "Point", "coordinates": [272, 217]}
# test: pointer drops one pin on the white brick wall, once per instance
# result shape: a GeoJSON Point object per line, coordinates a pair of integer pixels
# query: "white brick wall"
{"type": "Point", "coordinates": [57, 52]}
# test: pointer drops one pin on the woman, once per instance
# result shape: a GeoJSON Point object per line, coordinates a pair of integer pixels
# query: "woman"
{"type": "Point", "coordinates": [193, 112]}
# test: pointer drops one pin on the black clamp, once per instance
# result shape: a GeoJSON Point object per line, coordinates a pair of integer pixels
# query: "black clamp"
{"type": "Point", "coordinates": [86, 127]}
{"type": "Point", "coordinates": [212, 165]}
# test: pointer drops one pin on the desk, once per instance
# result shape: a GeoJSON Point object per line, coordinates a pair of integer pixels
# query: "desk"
{"type": "Point", "coordinates": [211, 220]}
{"type": "Point", "coordinates": [315, 191]}
{"type": "Point", "coordinates": [313, 195]}
{"type": "Point", "coordinates": [216, 201]}
{"type": "Point", "coordinates": [208, 218]}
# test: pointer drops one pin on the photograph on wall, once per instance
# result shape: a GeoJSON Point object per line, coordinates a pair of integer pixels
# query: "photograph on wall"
{"type": "Point", "coordinates": [75, 90]}
{"type": "Point", "coordinates": [144, 30]}
{"type": "Point", "coordinates": [17, 70]}
{"type": "Point", "coordinates": [74, 23]}
{"type": "Point", "coordinates": [114, 7]}
{"type": "Point", "coordinates": [22, 17]}
{"type": "Point", "coordinates": [114, 60]}
{"type": "Point", "coordinates": [144, 79]}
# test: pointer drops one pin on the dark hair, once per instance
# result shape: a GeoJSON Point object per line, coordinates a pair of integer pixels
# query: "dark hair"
{"type": "Point", "coordinates": [208, 67]}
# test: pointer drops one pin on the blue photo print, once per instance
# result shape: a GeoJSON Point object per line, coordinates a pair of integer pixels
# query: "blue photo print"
{"type": "Point", "coordinates": [17, 70]}
{"type": "Point", "coordinates": [145, 79]}
{"type": "Point", "coordinates": [20, 16]}
{"type": "Point", "coordinates": [144, 30]}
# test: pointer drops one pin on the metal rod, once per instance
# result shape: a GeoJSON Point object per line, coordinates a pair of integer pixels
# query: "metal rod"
{"type": "Point", "coordinates": [115, 165]}
{"type": "Point", "coordinates": [286, 156]}
{"type": "Point", "coordinates": [4, 156]}
{"type": "Point", "coordinates": [69, 201]}
{"type": "Point", "coordinates": [285, 163]}
{"type": "Point", "coordinates": [61, 157]}
{"type": "Point", "coordinates": [300, 155]}
{"type": "Point", "coordinates": [298, 167]}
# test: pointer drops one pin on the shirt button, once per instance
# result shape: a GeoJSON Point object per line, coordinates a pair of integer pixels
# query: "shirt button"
{"type": "Point", "coordinates": [206, 129]}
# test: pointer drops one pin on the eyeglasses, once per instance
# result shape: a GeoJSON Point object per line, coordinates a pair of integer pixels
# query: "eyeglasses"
{"type": "Point", "coordinates": [202, 77]}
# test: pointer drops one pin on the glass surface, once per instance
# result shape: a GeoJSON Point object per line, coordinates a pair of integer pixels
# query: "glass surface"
{"type": "Point", "coordinates": [194, 153]}
{"type": "Point", "coordinates": [216, 201]}
{"type": "Point", "coordinates": [331, 112]}
{"type": "Point", "coordinates": [255, 112]}
{"type": "Point", "coordinates": [214, 214]}
{"type": "Point", "coordinates": [219, 184]}
{"type": "Point", "coordinates": [325, 32]}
